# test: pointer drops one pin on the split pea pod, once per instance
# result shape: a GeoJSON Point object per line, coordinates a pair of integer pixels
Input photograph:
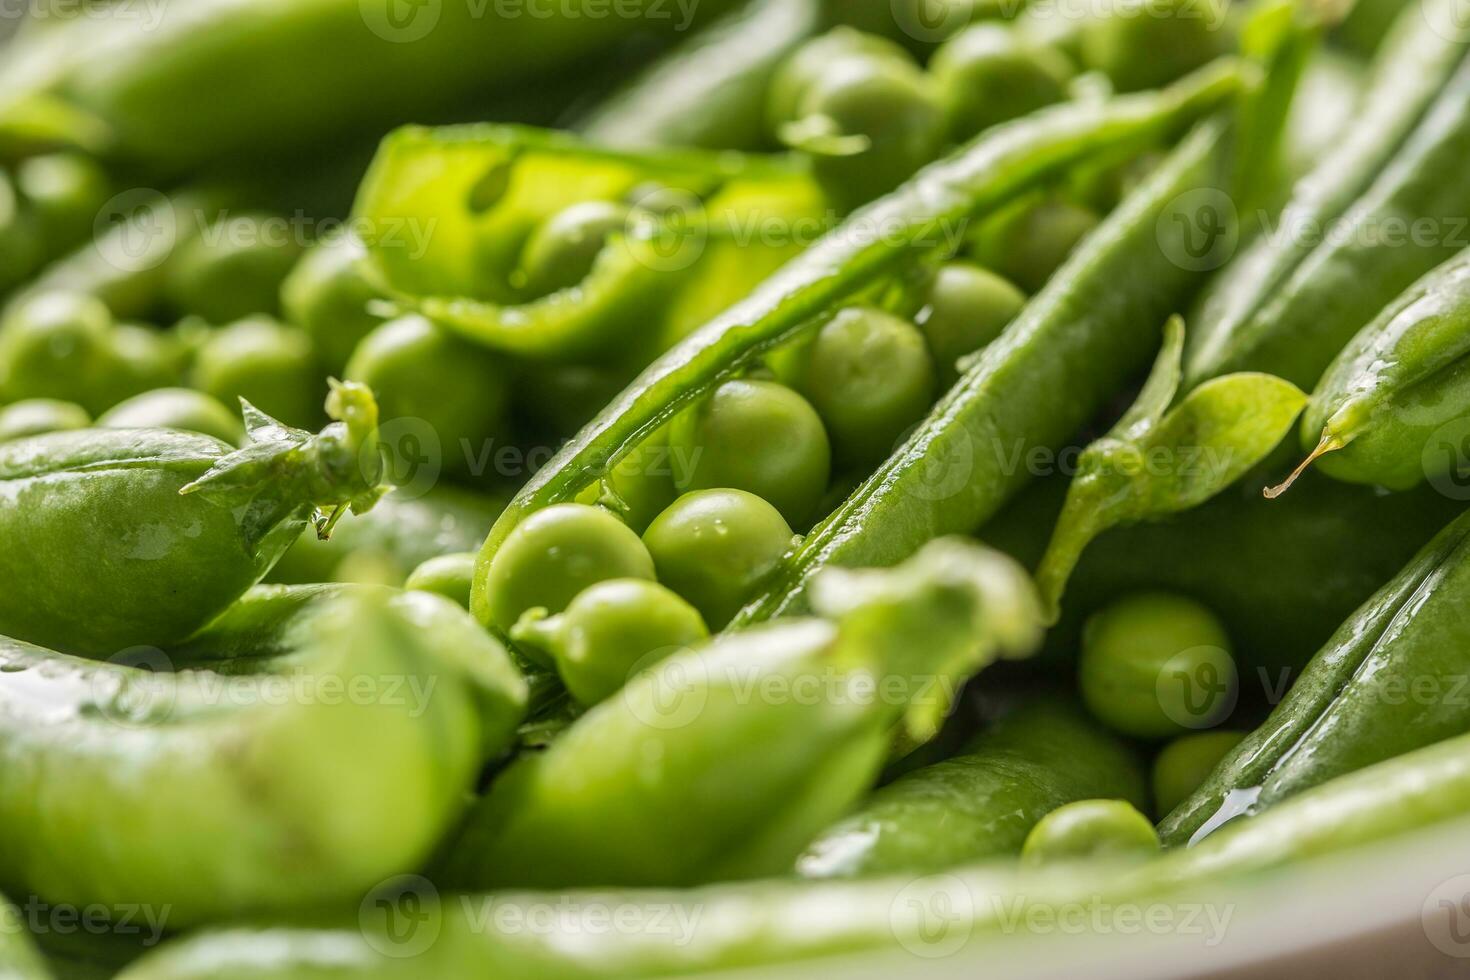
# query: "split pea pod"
{"type": "Point", "coordinates": [1380, 413]}
{"type": "Point", "coordinates": [156, 531]}
{"type": "Point", "coordinates": [1352, 236]}
{"type": "Point", "coordinates": [981, 803]}
{"type": "Point", "coordinates": [237, 784]}
{"type": "Point", "coordinates": [997, 167]}
{"type": "Point", "coordinates": [468, 225]}
{"type": "Point", "coordinates": [1088, 332]}
{"type": "Point", "coordinates": [742, 926]}
{"type": "Point", "coordinates": [761, 738]}
{"type": "Point", "coordinates": [1394, 678]}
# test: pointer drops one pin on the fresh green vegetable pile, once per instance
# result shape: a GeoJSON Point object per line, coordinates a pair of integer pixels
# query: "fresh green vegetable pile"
{"type": "Point", "coordinates": [783, 474]}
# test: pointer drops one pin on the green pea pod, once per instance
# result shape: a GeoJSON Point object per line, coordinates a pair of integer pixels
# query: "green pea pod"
{"type": "Point", "coordinates": [264, 752]}
{"type": "Point", "coordinates": [710, 91]}
{"type": "Point", "coordinates": [19, 959]}
{"type": "Point", "coordinates": [1335, 256]}
{"type": "Point", "coordinates": [1379, 414]}
{"type": "Point", "coordinates": [1086, 333]}
{"type": "Point", "coordinates": [981, 803]}
{"type": "Point", "coordinates": [155, 531]}
{"type": "Point", "coordinates": [961, 915]}
{"type": "Point", "coordinates": [1159, 460]}
{"type": "Point", "coordinates": [163, 89]}
{"type": "Point", "coordinates": [997, 167]}
{"type": "Point", "coordinates": [447, 212]}
{"type": "Point", "coordinates": [764, 737]}
{"type": "Point", "coordinates": [1394, 678]}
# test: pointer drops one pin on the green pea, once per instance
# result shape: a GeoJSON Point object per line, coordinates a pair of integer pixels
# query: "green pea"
{"type": "Point", "coordinates": [234, 268]}
{"type": "Point", "coordinates": [1028, 242]}
{"type": "Point", "coordinates": [1090, 829]}
{"type": "Point", "coordinates": [812, 61]}
{"type": "Point", "coordinates": [870, 378]}
{"type": "Point", "coordinates": [1142, 44]}
{"type": "Point", "coordinates": [267, 363]}
{"type": "Point", "coordinates": [758, 436]}
{"type": "Point", "coordinates": [1182, 766]}
{"type": "Point", "coordinates": [713, 547]}
{"type": "Point", "coordinates": [991, 73]}
{"type": "Point", "coordinates": [35, 416]}
{"type": "Point", "coordinates": [610, 631]}
{"type": "Point", "coordinates": [561, 252]}
{"type": "Point", "coordinates": [176, 408]}
{"type": "Point", "coordinates": [65, 192]}
{"type": "Point", "coordinates": [327, 294]}
{"type": "Point", "coordinates": [967, 307]}
{"type": "Point", "coordinates": [554, 554]}
{"type": "Point", "coordinates": [1156, 665]}
{"type": "Point", "coordinates": [57, 345]}
{"type": "Point", "coordinates": [451, 575]}
{"type": "Point", "coordinates": [869, 123]}
{"type": "Point", "coordinates": [420, 371]}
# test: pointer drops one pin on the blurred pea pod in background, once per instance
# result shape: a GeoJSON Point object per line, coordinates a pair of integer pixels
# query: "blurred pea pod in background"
{"type": "Point", "coordinates": [167, 87]}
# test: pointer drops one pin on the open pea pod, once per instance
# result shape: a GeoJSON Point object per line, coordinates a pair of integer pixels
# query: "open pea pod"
{"type": "Point", "coordinates": [885, 241]}
{"type": "Point", "coordinates": [1159, 460]}
{"type": "Point", "coordinates": [762, 737]}
{"type": "Point", "coordinates": [1395, 678]}
{"type": "Point", "coordinates": [447, 213]}
{"type": "Point", "coordinates": [1088, 331]}
{"type": "Point", "coordinates": [1391, 409]}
